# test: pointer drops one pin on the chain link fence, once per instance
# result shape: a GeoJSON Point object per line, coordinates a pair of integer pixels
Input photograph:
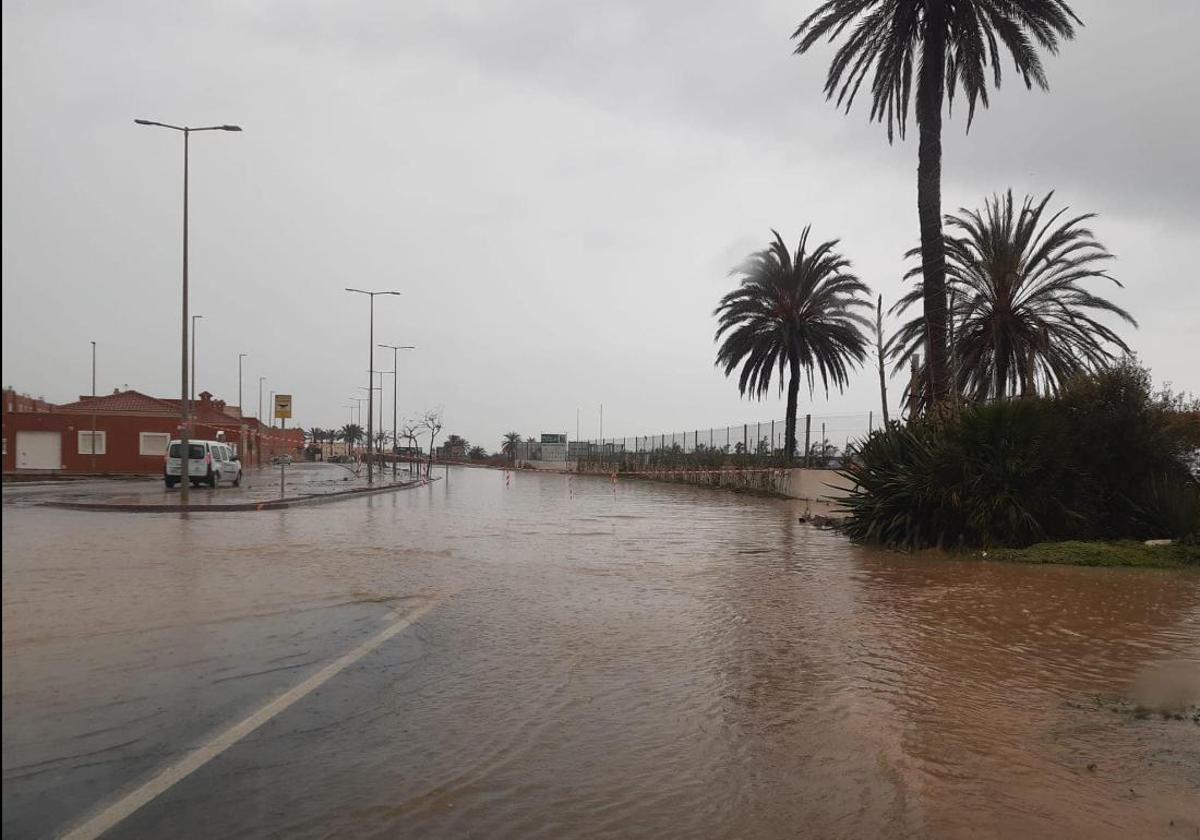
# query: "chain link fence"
{"type": "Point", "coordinates": [822, 441]}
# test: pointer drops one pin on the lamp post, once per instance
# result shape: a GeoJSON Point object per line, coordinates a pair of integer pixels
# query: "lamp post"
{"type": "Point", "coordinates": [193, 389]}
{"type": "Point", "coordinates": [184, 430]}
{"type": "Point", "coordinates": [371, 365]}
{"type": "Point", "coordinates": [240, 357]}
{"type": "Point", "coordinates": [395, 348]}
{"type": "Point", "coordinates": [93, 407]}
{"type": "Point", "coordinates": [370, 398]}
{"type": "Point", "coordinates": [241, 414]}
{"type": "Point", "coordinates": [258, 442]}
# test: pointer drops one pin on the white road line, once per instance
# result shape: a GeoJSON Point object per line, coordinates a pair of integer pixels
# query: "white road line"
{"type": "Point", "coordinates": [197, 758]}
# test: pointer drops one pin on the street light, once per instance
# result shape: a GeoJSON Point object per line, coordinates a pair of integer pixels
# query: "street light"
{"type": "Point", "coordinates": [395, 348]}
{"type": "Point", "coordinates": [241, 413]}
{"type": "Point", "coordinates": [194, 319]}
{"type": "Point", "coordinates": [184, 430]}
{"type": "Point", "coordinates": [258, 428]}
{"type": "Point", "coordinates": [240, 357]}
{"type": "Point", "coordinates": [371, 381]}
{"type": "Point", "coordinates": [93, 407]}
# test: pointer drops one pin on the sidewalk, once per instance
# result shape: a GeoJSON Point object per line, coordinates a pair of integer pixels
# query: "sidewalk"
{"type": "Point", "coordinates": [304, 483]}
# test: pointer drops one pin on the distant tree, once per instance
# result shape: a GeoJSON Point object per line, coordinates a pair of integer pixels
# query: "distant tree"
{"type": "Point", "coordinates": [477, 453]}
{"type": "Point", "coordinates": [820, 454]}
{"type": "Point", "coordinates": [352, 434]}
{"type": "Point", "coordinates": [431, 421]}
{"type": "Point", "coordinates": [509, 448]}
{"type": "Point", "coordinates": [941, 47]}
{"type": "Point", "coordinates": [792, 313]}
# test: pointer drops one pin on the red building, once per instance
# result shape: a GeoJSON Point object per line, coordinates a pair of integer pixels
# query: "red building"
{"type": "Point", "coordinates": [129, 432]}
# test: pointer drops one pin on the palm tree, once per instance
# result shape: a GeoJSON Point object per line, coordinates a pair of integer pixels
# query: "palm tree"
{"type": "Point", "coordinates": [952, 44]}
{"type": "Point", "coordinates": [315, 435]}
{"type": "Point", "coordinates": [509, 447]}
{"type": "Point", "coordinates": [792, 312]}
{"type": "Point", "coordinates": [1020, 315]}
{"type": "Point", "coordinates": [352, 433]}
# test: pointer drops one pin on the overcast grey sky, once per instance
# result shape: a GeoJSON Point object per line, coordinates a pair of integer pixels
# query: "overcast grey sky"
{"type": "Point", "coordinates": [558, 189]}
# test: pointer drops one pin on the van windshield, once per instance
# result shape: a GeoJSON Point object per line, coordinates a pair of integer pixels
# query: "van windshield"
{"type": "Point", "coordinates": [195, 451]}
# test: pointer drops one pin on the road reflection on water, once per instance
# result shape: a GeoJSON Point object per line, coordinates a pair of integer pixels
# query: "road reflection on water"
{"type": "Point", "coordinates": [630, 660]}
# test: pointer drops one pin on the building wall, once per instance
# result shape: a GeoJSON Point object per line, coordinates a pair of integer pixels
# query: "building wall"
{"type": "Point", "coordinates": [123, 442]}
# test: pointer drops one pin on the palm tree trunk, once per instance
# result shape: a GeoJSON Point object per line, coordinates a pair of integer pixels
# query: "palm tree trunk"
{"type": "Point", "coordinates": [930, 93]}
{"type": "Point", "coordinates": [792, 400]}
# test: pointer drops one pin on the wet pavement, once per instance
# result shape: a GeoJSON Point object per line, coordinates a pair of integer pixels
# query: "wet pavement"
{"type": "Point", "coordinates": [583, 660]}
{"type": "Point", "coordinates": [259, 484]}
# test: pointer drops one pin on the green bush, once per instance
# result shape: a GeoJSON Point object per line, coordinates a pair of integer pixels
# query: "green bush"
{"type": "Point", "coordinates": [1106, 459]}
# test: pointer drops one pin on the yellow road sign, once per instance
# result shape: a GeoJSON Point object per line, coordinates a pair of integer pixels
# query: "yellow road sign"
{"type": "Point", "coordinates": [283, 406]}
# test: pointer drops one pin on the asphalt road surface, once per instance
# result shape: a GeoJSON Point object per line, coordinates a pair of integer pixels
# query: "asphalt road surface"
{"type": "Point", "coordinates": [548, 656]}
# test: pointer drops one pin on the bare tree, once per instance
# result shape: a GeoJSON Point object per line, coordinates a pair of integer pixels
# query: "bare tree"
{"type": "Point", "coordinates": [408, 431]}
{"type": "Point", "coordinates": [431, 422]}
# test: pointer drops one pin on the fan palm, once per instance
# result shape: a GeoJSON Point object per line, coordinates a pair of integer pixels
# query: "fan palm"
{"type": "Point", "coordinates": [511, 441]}
{"type": "Point", "coordinates": [952, 45]}
{"type": "Point", "coordinates": [792, 313]}
{"type": "Point", "coordinates": [352, 433]}
{"type": "Point", "coordinates": [1020, 314]}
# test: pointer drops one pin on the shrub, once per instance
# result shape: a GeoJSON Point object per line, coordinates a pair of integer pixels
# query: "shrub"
{"type": "Point", "coordinates": [1106, 459]}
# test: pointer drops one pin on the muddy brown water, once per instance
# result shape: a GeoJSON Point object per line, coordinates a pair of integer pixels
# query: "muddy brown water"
{"type": "Point", "coordinates": [604, 661]}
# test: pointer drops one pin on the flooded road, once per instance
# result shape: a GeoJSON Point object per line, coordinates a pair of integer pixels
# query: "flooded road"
{"type": "Point", "coordinates": [582, 660]}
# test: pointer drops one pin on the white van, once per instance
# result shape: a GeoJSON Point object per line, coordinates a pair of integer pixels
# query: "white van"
{"type": "Point", "coordinates": [209, 462]}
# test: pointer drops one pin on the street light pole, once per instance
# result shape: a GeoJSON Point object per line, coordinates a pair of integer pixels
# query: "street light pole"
{"type": "Point", "coordinates": [396, 348]}
{"type": "Point", "coordinates": [240, 357]}
{"type": "Point", "coordinates": [184, 430]}
{"type": "Point", "coordinates": [241, 413]}
{"type": "Point", "coordinates": [193, 390]}
{"type": "Point", "coordinates": [93, 407]}
{"type": "Point", "coordinates": [371, 380]}
{"type": "Point", "coordinates": [258, 442]}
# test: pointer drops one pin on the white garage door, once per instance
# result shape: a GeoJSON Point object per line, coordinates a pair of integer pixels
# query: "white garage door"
{"type": "Point", "coordinates": [39, 451]}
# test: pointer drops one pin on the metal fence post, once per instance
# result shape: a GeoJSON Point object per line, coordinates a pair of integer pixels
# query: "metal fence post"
{"type": "Point", "coordinates": [807, 439]}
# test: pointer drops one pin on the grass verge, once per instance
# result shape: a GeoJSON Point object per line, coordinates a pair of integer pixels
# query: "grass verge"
{"type": "Point", "coordinates": [1121, 553]}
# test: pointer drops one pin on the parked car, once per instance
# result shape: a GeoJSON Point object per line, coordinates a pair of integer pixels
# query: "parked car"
{"type": "Point", "coordinates": [209, 462]}
{"type": "Point", "coordinates": [282, 459]}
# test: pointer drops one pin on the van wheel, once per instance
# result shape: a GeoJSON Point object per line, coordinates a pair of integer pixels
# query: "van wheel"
{"type": "Point", "coordinates": [237, 481]}
{"type": "Point", "coordinates": [170, 482]}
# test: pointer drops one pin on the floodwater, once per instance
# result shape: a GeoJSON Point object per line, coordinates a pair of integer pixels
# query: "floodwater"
{"type": "Point", "coordinates": [597, 660]}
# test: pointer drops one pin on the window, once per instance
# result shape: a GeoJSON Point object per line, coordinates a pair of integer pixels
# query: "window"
{"type": "Point", "coordinates": [86, 440]}
{"type": "Point", "coordinates": [153, 443]}
{"type": "Point", "coordinates": [195, 451]}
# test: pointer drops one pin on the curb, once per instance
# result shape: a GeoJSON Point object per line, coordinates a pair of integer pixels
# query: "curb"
{"type": "Point", "coordinates": [266, 504]}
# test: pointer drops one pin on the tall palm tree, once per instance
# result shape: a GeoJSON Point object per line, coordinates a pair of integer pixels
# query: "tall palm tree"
{"type": "Point", "coordinates": [953, 44]}
{"type": "Point", "coordinates": [792, 313]}
{"type": "Point", "coordinates": [509, 447]}
{"type": "Point", "coordinates": [1020, 316]}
